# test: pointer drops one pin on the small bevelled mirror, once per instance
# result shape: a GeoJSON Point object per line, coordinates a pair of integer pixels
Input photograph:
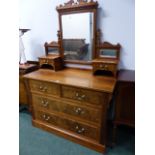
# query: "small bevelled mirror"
{"type": "Point", "coordinates": [51, 48]}
{"type": "Point", "coordinates": [108, 53]}
{"type": "Point", "coordinates": [108, 50]}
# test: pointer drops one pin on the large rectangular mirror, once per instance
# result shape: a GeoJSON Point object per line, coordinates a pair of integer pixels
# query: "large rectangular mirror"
{"type": "Point", "coordinates": [77, 32]}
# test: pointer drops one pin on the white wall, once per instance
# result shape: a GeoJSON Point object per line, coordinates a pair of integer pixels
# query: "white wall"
{"type": "Point", "coordinates": [116, 19]}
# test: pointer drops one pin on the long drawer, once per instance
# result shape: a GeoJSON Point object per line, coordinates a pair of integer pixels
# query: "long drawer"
{"type": "Point", "coordinates": [45, 87]}
{"type": "Point", "coordinates": [83, 95]}
{"type": "Point", "coordinates": [68, 124]}
{"type": "Point", "coordinates": [72, 109]}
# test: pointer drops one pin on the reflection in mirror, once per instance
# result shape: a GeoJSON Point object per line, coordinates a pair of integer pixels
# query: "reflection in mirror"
{"type": "Point", "coordinates": [108, 53]}
{"type": "Point", "coordinates": [78, 36]}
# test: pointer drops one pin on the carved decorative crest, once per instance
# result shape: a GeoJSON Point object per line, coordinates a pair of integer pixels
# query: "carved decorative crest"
{"type": "Point", "coordinates": [79, 3]}
{"type": "Point", "coordinates": [71, 2]}
{"type": "Point", "coordinates": [108, 45]}
{"type": "Point", "coordinates": [82, 1]}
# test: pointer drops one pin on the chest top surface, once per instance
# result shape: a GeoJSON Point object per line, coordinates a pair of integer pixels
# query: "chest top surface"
{"type": "Point", "coordinates": [75, 77]}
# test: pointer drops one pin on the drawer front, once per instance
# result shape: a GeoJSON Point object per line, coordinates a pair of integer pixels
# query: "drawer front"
{"type": "Point", "coordinates": [106, 67]}
{"type": "Point", "coordinates": [46, 103]}
{"type": "Point", "coordinates": [45, 87]}
{"type": "Point", "coordinates": [82, 112]}
{"type": "Point", "coordinates": [92, 97]}
{"type": "Point", "coordinates": [68, 124]}
{"type": "Point", "coordinates": [89, 114]}
{"type": "Point", "coordinates": [45, 61]}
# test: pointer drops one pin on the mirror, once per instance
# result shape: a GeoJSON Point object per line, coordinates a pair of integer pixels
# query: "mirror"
{"type": "Point", "coordinates": [108, 50]}
{"type": "Point", "coordinates": [51, 48]}
{"type": "Point", "coordinates": [108, 53]}
{"type": "Point", "coordinates": [77, 38]}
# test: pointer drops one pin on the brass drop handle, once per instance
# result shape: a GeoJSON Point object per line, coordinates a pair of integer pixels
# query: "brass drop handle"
{"type": "Point", "coordinates": [79, 130]}
{"type": "Point", "coordinates": [43, 89]}
{"type": "Point", "coordinates": [80, 97]}
{"type": "Point", "coordinates": [44, 103]}
{"type": "Point", "coordinates": [45, 117]}
{"type": "Point", "coordinates": [83, 96]}
{"type": "Point", "coordinates": [46, 61]}
{"type": "Point", "coordinates": [77, 94]}
{"type": "Point", "coordinates": [79, 111]}
{"type": "Point", "coordinates": [104, 66]}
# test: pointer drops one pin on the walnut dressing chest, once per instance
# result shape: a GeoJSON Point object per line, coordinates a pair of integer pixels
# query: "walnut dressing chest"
{"type": "Point", "coordinates": [71, 103]}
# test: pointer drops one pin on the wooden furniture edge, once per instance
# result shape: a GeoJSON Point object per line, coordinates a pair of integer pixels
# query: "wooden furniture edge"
{"type": "Point", "coordinates": [63, 84]}
{"type": "Point", "coordinates": [124, 123]}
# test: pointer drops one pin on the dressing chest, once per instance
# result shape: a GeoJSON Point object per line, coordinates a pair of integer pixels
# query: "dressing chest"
{"type": "Point", "coordinates": [71, 103]}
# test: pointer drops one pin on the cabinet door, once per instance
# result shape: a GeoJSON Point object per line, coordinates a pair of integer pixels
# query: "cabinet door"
{"type": "Point", "coordinates": [125, 103]}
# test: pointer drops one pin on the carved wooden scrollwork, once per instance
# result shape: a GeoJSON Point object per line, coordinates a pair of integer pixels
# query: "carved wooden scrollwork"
{"type": "Point", "coordinates": [82, 1]}
{"type": "Point", "coordinates": [108, 45]}
{"type": "Point", "coordinates": [72, 3]}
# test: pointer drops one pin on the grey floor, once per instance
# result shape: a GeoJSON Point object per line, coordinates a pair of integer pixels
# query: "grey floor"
{"type": "Point", "coordinates": [34, 141]}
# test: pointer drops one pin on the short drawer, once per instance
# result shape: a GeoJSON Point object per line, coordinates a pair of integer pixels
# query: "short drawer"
{"type": "Point", "coordinates": [92, 97]}
{"type": "Point", "coordinates": [76, 110]}
{"type": "Point", "coordinates": [45, 87]}
{"type": "Point", "coordinates": [105, 66]}
{"type": "Point", "coordinates": [45, 61]}
{"type": "Point", "coordinates": [68, 124]}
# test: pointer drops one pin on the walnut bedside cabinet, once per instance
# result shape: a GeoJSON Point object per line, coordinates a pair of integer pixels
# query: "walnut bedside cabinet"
{"type": "Point", "coordinates": [124, 100]}
{"type": "Point", "coordinates": [24, 69]}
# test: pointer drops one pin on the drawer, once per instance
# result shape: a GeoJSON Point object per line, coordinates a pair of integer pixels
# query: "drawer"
{"type": "Point", "coordinates": [76, 110]}
{"type": "Point", "coordinates": [45, 87]}
{"type": "Point", "coordinates": [92, 97]}
{"type": "Point", "coordinates": [45, 61]}
{"type": "Point", "coordinates": [68, 124]}
{"type": "Point", "coordinates": [104, 66]}
{"type": "Point", "coordinates": [46, 103]}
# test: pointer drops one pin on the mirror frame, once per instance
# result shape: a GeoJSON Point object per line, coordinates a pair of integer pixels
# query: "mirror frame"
{"type": "Point", "coordinates": [109, 46]}
{"type": "Point", "coordinates": [52, 44]}
{"type": "Point", "coordinates": [71, 7]}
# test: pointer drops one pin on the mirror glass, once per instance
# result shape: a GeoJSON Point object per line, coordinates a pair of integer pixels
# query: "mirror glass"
{"type": "Point", "coordinates": [53, 50]}
{"type": "Point", "coordinates": [110, 53]}
{"type": "Point", "coordinates": [78, 36]}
